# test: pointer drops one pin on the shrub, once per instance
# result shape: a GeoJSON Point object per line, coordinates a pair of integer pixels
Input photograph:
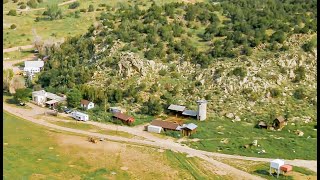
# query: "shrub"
{"type": "Point", "coordinates": [299, 93]}
{"type": "Point", "coordinates": [309, 46]}
{"type": "Point", "coordinates": [12, 12]}
{"type": "Point", "coordinates": [300, 73]}
{"type": "Point", "coordinates": [83, 10]}
{"type": "Point", "coordinates": [240, 72]}
{"type": "Point", "coordinates": [74, 5]}
{"type": "Point", "coordinates": [274, 92]}
{"type": "Point", "coordinates": [40, 1]}
{"type": "Point", "coordinates": [91, 8]}
{"type": "Point", "coordinates": [15, 1]}
{"type": "Point", "coordinates": [32, 3]}
{"type": "Point", "coordinates": [5, 1]}
{"type": "Point", "coordinates": [13, 26]}
{"type": "Point", "coordinates": [162, 72]}
{"type": "Point", "coordinates": [23, 6]}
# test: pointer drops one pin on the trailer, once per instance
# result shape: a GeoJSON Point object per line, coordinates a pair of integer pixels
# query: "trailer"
{"type": "Point", "coordinates": [80, 116]}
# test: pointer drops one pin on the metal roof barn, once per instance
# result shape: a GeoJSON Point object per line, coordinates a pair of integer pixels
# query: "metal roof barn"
{"type": "Point", "coordinates": [190, 113]}
{"type": "Point", "coordinates": [165, 124]}
{"type": "Point", "coordinates": [176, 107]}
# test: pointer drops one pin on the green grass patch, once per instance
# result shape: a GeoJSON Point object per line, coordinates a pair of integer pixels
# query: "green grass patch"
{"type": "Point", "coordinates": [16, 55]}
{"type": "Point", "coordinates": [275, 143]}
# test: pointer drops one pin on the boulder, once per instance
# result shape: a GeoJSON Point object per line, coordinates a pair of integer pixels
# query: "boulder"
{"type": "Point", "coordinates": [230, 115]}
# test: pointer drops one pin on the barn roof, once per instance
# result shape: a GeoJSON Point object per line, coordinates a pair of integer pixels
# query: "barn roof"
{"type": "Point", "coordinates": [190, 126]}
{"type": "Point", "coordinates": [84, 102]}
{"type": "Point", "coordinates": [190, 113]}
{"type": "Point", "coordinates": [280, 118]}
{"type": "Point", "coordinates": [51, 102]}
{"type": "Point", "coordinates": [176, 107]}
{"type": "Point", "coordinates": [165, 124]}
{"type": "Point", "coordinates": [121, 116]}
{"type": "Point", "coordinates": [37, 64]}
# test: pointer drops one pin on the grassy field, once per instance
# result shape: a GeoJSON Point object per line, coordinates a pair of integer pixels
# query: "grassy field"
{"type": "Point", "coordinates": [277, 144]}
{"type": "Point", "coordinates": [262, 169]}
{"type": "Point", "coordinates": [33, 152]}
{"type": "Point", "coordinates": [57, 29]}
{"type": "Point", "coordinates": [15, 55]}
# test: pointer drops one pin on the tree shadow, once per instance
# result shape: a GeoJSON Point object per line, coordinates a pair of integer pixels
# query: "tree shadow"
{"type": "Point", "coordinates": [263, 172]}
{"type": "Point", "coordinates": [11, 101]}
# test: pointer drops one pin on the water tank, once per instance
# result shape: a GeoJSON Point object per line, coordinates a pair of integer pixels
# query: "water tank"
{"type": "Point", "coordinates": [202, 110]}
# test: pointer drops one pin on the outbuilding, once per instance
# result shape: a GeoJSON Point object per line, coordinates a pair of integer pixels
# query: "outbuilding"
{"type": "Point", "coordinates": [276, 165]}
{"type": "Point", "coordinates": [33, 67]}
{"type": "Point", "coordinates": [124, 118]}
{"type": "Point", "coordinates": [80, 116]}
{"type": "Point", "coordinates": [188, 129]}
{"type": "Point", "coordinates": [85, 104]}
{"type": "Point", "coordinates": [279, 122]}
{"type": "Point", "coordinates": [155, 129]}
{"type": "Point", "coordinates": [166, 125]}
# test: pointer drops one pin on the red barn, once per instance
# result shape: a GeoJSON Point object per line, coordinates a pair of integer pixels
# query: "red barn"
{"type": "Point", "coordinates": [123, 117]}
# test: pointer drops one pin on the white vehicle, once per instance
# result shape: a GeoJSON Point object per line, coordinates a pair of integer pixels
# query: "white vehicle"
{"type": "Point", "coordinates": [80, 116]}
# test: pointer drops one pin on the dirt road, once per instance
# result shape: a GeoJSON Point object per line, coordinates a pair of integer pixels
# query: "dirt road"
{"type": "Point", "coordinates": [17, 48]}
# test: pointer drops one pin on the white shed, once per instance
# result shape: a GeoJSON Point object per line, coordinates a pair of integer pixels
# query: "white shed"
{"type": "Point", "coordinates": [80, 116]}
{"type": "Point", "coordinates": [275, 165]}
{"type": "Point", "coordinates": [155, 129]}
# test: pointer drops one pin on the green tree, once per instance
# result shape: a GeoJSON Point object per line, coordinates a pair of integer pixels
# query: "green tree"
{"type": "Point", "coordinates": [7, 77]}
{"type": "Point", "coordinates": [53, 12]}
{"type": "Point", "coordinates": [91, 8]}
{"type": "Point", "coordinates": [309, 46]}
{"type": "Point", "coordinates": [12, 12]}
{"type": "Point", "coordinates": [74, 97]}
{"type": "Point", "coordinates": [74, 5]}
{"type": "Point", "coordinates": [13, 26]}
{"type": "Point", "coordinates": [22, 95]}
{"type": "Point", "coordinates": [32, 3]}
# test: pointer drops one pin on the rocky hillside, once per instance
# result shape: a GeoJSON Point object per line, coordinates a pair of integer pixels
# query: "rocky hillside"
{"type": "Point", "coordinates": [174, 54]}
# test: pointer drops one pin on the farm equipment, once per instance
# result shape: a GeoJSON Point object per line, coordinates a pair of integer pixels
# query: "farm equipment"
{"type": "Point", "coordinates": [93, 140]}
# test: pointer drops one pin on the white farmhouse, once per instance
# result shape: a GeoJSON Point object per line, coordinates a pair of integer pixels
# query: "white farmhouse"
{"type": "Point", "coordinates": [43, 98]}
{"type": "Point", "coordinates": [85, 104]}
{"type": "Point", "coordinates": [80, 116]}
{"type": "Point", "coordinates": [33, 67]}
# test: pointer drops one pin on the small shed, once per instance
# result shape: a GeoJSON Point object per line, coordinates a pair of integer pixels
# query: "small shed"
{"type": "Point", "coordinates": [262, 124]}
{"type": "Point", "coordinates": [165, 125]}
{"type": "Point", "coordinates": [155, 129]}
{"type": "Point", "coordinates": [188, 129]}
{"type": "Point", "coordinates": [279, 122]}
{"type": "Point", "coordinates": [276, 165]}
{"type": "Point", "coordinates": [85, 104]}
{"type": "Point", "coordinates": [52, 103]}
{"type": "Point", "coordinates": [80, 116]}
{"type": "Point", "coordinates": [123, 117]}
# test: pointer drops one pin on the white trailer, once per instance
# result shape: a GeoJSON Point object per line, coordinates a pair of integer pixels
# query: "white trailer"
{"type": "Point", "coordinates": [155, 129]}
{"type": "Point", "coordinates": [80, 116]}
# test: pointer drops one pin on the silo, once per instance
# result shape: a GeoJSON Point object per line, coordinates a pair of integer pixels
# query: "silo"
{"type": "Point", "coordinates": [202, 110]}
